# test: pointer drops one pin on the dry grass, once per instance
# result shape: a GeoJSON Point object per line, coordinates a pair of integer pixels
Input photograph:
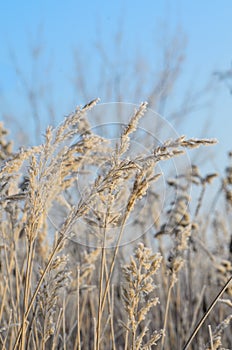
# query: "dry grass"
{"type": "Point", "coordinates": [59, 294]}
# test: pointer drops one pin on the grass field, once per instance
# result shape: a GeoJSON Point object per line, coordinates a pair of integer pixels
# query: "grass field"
{"type": "Point", "coordinates": [66, 279]}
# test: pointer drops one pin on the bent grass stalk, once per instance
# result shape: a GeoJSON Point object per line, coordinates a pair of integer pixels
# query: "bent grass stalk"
{"type": "Point", "coordinates": [202, 320]}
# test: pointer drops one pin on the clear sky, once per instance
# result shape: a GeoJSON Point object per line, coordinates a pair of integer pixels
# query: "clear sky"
{"type": "Point", "coordinates": [62, 27]}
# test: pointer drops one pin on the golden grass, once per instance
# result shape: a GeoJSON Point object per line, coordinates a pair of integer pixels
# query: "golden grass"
{"type": "Point", "coordinates": [64, 295]}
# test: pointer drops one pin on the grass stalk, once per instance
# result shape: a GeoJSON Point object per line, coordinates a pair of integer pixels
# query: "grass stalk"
{"type": "Point", "coordinates": [202, 320]}
{"type": "Point", "coordinates": [78, 335]}
{"type": "Point", "coordinates": [53, 253]}
{"type": "Point", "coordinates": [167, 309]}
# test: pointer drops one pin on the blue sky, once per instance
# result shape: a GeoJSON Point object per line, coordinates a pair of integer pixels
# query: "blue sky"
{"type": "Point", "coordinates": [62, 27]}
